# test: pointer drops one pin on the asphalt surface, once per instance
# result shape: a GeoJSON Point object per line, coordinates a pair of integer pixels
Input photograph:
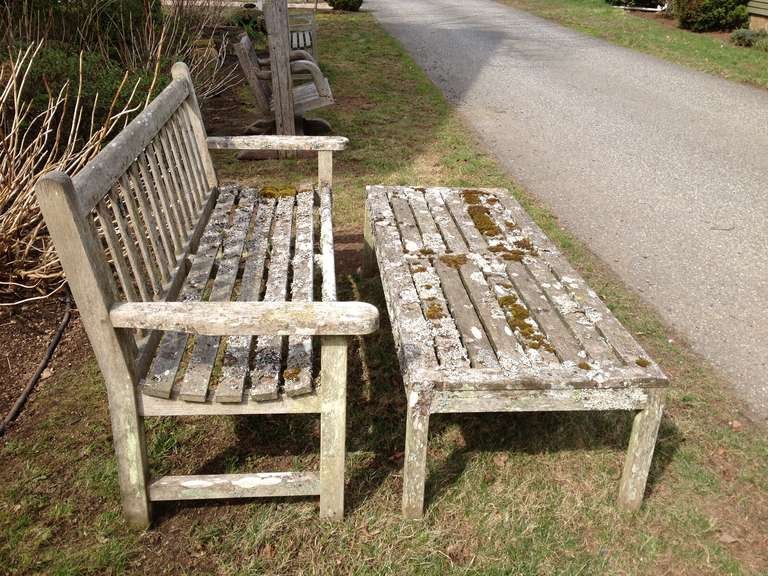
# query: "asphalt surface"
{"type": "Point", "coordinates": [661, 170]}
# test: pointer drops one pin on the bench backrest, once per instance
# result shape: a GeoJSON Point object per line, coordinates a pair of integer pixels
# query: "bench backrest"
{"type": "Point", "coordinates": [257, 79]}
{"type": "Point", "coordinates": [124, 225]}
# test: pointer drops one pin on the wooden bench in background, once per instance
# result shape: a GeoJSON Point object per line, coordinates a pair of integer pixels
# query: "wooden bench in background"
{"type": "Point", "coordinates": [180, 283]}
{"type": "Point", "coordinates": [488, 316]}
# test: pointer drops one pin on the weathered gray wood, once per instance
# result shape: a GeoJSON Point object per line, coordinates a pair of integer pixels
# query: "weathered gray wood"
{"type": "Point", "coordinates": [642, 444]}
{"type": "Point", "coordinates": [98, 176]}
{"type": "Point", "coordinates": [333, 388]}
{"type": "Point", "coordinates": [162, 373]}
{"type": "Point", "coordinates": [430, 235]}
{"type": "Point", "coordinates": [129, 244]}
{"type": "Point", "coordinates": [450, 232]}
{"type": "Point", "coordinates": [153, 406]}
{"type": "Point", "coordinates": [512, 296]}
{"type": "Point", "coordinates": [79, 249]}
{"type": "Point", "coordinates": [271, 317]}
{"type": "Point", "coordinates": [191, 108]}
{"type": "Point", "coordinates": [173, 169]}
{"type": "Point", "coordinates": [406, 224]}
{"type": "Point", "coordinates": [276, 20]}
{"type": "Point", "coordinates": [150, 174]}
{"type": "Point", "coordinates": [267, 360]}
{"type": "Point", "coordinates": [170, 205]}
{"type": "Point", "coordinates": [412, 333]}
{"type": "Point", "coordinates": [328, 143]}
{"type": "Point", "coordinates": [116, 250]}
{"type": "Point", "coordinates": [415, 460]}
{"type": "Point", "coordinates": [445, 402]}
{"type": "Point", "coordinates": [297, 378]}
{"type": "Point", "coordinates": [163, 259]}
{"type": "Point", "coordinates": [249, 64]}
{"type": "Point", "coordinates": [196, 187]}
{"type": "Point", "coordinates": [463, 312]}
{"type": "Point", "coordinates": [326, 244]}
{"type": "Point", "coordinates": [170, 229]}
{"type": "Point", "coordinates": [369, 255]}
{"type": "Point", "coordinates": [457, 207]}
{"type": "Point", "coordinates": [259, 485]}
{"type": "Point", "coordinates": [234, 370]}
{"type": "Point", "coordinates": [194, 385]}
{"type": "Point", "coordinates": [141, 235]}
{"type": "Point", "coordinates": [450, 350]}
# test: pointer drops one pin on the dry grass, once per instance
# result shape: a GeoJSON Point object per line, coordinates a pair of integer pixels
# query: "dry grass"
{"type": "Point", "coordinates": [506, 494]}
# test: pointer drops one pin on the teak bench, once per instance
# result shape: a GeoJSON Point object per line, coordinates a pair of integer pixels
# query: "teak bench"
{"type": "Point", "coordinates": [488, 316]}
{"type": "Point", "coordinates": [174, 277]}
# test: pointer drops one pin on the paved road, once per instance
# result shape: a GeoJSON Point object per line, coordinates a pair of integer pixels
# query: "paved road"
{"type": "Point", "coordinates": [661, 170]}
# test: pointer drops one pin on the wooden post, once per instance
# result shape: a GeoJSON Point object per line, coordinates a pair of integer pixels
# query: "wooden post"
{"type": "Point", "coordinates": [276, 18]}
{"type": "Point", "coordinates": [640, 451]}
{"type": "Point", "coordinates": [415, 465]}
{"type": "Point", "coordinates": [179, 71]}
{"type": "Point", "coordinates": [90, 279]}
{"type": "Point", "coordinates": [325, 167]}
{"type": "Point", "coordinates": [333, 390]}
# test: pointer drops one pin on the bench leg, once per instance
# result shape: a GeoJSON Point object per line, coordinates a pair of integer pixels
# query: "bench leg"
{"type": "Point", "coordinates": [415, 466]}
{"type": "Point", "coordinates": [130, 451]}
{"type": "Point", "coordinates": [640, 451]}
{"type": "Point", "coordinates": [333, 419]}
{"type": "Point", "coordinates": [369, 256]}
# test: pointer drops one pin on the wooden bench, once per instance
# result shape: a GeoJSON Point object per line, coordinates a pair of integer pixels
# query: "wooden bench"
{"type": "Point", "coordinates": [302, 26]}
{"type": "Point", "coordinates": [276, 94]}
{"type": "Point", "coordinates": [488, 316]}
{"type": "Point", "coordinates": [175, 277]}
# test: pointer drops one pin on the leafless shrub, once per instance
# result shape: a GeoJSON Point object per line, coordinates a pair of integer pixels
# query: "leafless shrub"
{"type": "Point", "coordinates": [31, 145]}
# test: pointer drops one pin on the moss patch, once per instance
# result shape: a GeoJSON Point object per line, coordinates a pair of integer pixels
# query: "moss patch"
{"type": "Point", "coordinates": [643, 362]}
{"type": "Point", "coordinates": [434, 311]}
{"type": "Point", "coordinates": [482, 219]}
{"type": "Point", "coordinates": [454, 260]}
{"type": "Point", "coordinates": [291, 374]}
{"type": "Point", "coordinates": [276, 192]}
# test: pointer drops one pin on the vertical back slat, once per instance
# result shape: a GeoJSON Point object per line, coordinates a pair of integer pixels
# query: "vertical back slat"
{"type": "Point", "coordinates": [140, 174]}
{"type": "Point", "coordinates": [192, 184]}
{"type": "Point", "coordinates": [188, 137]}
{"type": "Point", "coordinates": [170, 234]}
{"type": "Point", "coordinates": [141, 234]}
{"type": "Point", "coordinates": [130, 247]}
{"type": "Point", "coordinates": [177, 199]}
{"type": "Point", "coordinates": [115, 248]}
{"type": "Point", "coordinates": [189, 201]}
{"type": "Point", "coordinates": [152, 216]}
{"type": "Point", "coordinates": [167, 199]}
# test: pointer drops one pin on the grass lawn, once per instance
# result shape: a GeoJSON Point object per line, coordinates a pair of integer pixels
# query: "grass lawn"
{"type": "Point", "coordinates": [506, 494]}
{"type": "Point", "coordinates": [708, 53]}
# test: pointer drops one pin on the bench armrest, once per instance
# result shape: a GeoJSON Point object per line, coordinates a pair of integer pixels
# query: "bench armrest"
{"type": "Point", "coordinates": [318, 79]}
{"type": "Point", "coordinates": [249, 318]}
{"type": "Point", "coordinates": [317, 143]}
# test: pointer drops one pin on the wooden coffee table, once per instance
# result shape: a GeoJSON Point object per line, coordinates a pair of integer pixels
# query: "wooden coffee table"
{"type": "Point", "coordinates": [488, 316]}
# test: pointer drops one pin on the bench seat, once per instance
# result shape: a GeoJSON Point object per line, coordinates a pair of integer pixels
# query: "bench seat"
{"type": "Point", "coordinates": [249, 247]}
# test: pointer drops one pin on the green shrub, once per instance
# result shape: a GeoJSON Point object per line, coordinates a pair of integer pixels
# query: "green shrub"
{"type": "Point", "coordinates": [711, 15]}
{"type": "Point", "coordinates": [761, 44]}
{"type": "Point", "coordinates": [747, 37]}
{"type": "Point", "coordinates": [348, 5]}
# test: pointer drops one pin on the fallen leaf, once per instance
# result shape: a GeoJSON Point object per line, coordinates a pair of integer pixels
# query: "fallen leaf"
{"type": "Point", "coordinates": [47, 373]}
{"type": "Point", "coordinates": [726, 538]}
